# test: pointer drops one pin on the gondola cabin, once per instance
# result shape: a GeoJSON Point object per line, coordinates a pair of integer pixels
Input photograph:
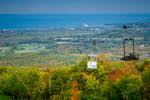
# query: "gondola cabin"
{"type": "Point", "coordinates": [92, 61]}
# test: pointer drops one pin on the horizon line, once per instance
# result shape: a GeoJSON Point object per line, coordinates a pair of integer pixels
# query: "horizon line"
{"type": "Point", "coordinates": [71, 13]}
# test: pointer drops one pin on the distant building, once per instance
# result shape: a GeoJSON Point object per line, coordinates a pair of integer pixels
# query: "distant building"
{"type": "Point", "coordinates": [146, 55]}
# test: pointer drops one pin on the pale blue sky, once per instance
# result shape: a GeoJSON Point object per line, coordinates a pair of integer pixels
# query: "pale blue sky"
{"type": "Point", "coordinates": [74, 6]}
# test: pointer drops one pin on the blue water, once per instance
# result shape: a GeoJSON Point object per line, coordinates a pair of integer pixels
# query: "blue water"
{"type": "Point", "coordinates": [15, 21]}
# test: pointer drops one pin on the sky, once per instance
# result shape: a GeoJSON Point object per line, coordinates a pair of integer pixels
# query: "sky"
{"type": "Point", "coordinates": [73, 6]}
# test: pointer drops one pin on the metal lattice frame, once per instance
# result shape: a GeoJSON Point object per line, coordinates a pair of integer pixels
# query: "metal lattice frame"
{"type": "Point", "coordinates": [124, 45]}
{"type": "Point", "coordinates": [131, 56]}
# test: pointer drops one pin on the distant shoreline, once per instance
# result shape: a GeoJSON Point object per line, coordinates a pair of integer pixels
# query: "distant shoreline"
{"type": "Point", "coordinates": [43, 21]}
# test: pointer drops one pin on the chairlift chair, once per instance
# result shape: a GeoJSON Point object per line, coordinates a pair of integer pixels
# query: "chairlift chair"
{"type": "Point", "coordinates": [131, 56]}
{"type": "Point", "coordinates": [127, 37]}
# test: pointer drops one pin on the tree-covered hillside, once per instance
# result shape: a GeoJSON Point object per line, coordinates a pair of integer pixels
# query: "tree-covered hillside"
{"type": "Point", "coordinates": [112, 80]}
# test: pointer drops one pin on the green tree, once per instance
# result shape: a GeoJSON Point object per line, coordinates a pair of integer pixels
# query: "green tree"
{"type": "Point", "coordinates": [59, 82]}
{"type": "Point", "coordinates": [128, 87]}
{"type": "Point", "coordinates": [92, 88]}
{"type": "Point", "coordinates": [146, 82]}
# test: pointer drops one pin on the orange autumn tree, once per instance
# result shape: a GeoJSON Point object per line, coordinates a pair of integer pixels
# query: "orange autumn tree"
{"type": "Point", "coordinates": [75, 93]}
